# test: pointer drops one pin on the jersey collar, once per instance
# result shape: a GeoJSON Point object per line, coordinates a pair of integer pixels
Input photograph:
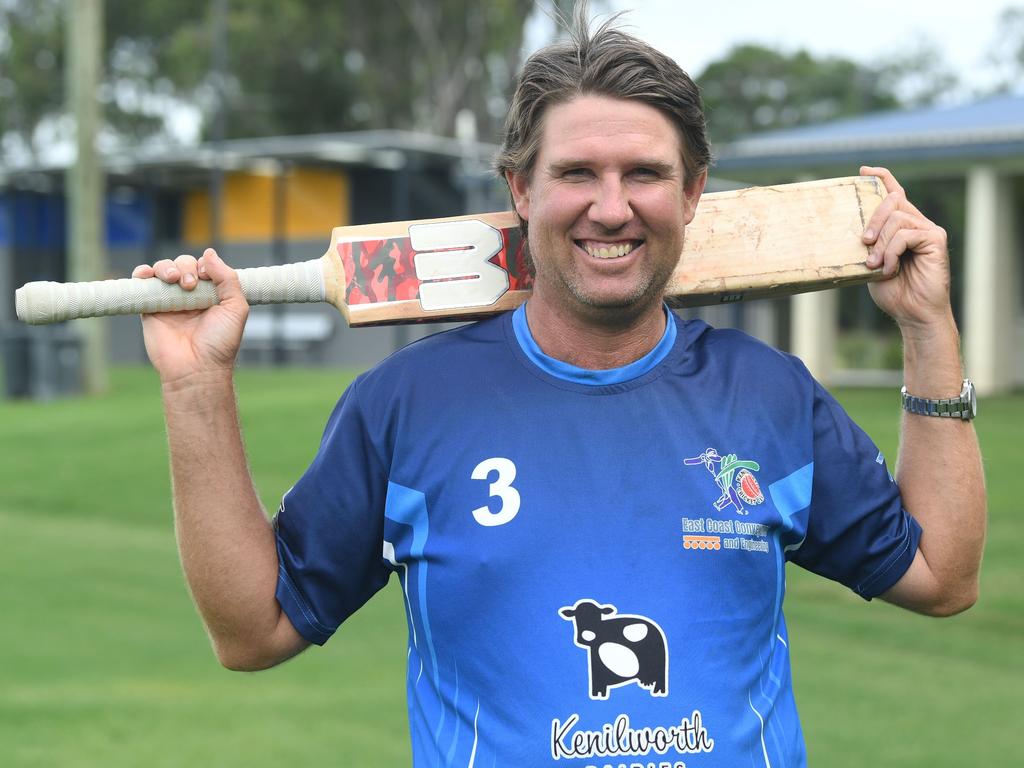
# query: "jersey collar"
{"type": "Point", "coordinates": [572, 373]}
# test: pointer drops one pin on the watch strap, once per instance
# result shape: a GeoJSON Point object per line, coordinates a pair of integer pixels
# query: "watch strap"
{"type": "Point", "coordinates": [960, 407]}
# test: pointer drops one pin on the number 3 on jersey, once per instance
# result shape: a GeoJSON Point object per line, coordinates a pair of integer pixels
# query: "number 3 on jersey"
{"type": "Point", "coordinates": [500, 488]}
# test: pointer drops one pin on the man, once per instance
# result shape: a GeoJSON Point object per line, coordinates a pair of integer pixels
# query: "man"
{"type": "Point", "coordinates": [588, 502]}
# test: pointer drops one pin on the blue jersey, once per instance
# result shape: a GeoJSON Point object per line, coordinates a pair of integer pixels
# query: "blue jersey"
{"type": "Point", "coordinates": [592, 562]}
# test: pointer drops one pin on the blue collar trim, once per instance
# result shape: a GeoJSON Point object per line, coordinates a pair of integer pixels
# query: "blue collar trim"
{"type": "Point", "coordinates": [568, 372]}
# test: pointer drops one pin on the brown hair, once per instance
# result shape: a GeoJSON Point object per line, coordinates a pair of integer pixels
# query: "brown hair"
{"type": "Point", "coordinates": [607, 62]}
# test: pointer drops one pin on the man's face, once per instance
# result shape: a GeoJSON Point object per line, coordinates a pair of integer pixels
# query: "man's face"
{"type": "Point", "coordinates": [606, 203]}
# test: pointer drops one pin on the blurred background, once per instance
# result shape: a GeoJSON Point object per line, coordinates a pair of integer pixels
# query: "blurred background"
{"type": "Point", "coordinates": [134, 131]}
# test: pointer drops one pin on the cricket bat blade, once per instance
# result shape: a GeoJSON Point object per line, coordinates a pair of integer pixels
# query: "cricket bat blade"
{"type": "Point", "coordinates": [743, 244]}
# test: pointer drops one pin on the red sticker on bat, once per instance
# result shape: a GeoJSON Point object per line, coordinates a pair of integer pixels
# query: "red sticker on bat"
{"type": "Point", "coordinates": [387, 270]}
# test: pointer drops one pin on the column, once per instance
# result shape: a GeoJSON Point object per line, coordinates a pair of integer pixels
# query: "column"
{"type": "Point", "coordinates": [991, 281]}
{"type": "Point", "coordinates": [815, 318]}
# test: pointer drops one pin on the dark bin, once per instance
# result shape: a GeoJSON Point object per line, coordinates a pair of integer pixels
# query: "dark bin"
{"type": "Point", "coordinates": [42, 362]}
{"type": "Point", "coordinates": [16, 362]}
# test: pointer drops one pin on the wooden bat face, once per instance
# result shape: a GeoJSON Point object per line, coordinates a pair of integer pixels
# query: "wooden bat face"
{"type": "Point", "coordinates": [744, 244]}
{"type": "Point", "coordinates": [749, 243]}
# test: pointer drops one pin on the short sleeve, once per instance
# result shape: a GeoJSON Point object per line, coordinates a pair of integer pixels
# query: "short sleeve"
{"type": "Point", "coordinates": [330, 528]}
{"type": "Point", "coordinates": [858, 532]}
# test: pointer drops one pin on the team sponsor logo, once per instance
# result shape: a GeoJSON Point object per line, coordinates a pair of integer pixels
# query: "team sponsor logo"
{"type": "Point", "coordinates": [713, 534]}
{"type": "Point", "coordinates": [692, 541]}
{"type": "Point", "coordinates": [747, 487]}
{"type": "Point", "coordinates": [621, 649]}
{"type": "Point", "coordinates": [621, 739]}
{"type": "Point", "coordinates": [734, 477]}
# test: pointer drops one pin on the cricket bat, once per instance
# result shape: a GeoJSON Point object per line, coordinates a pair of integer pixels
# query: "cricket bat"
{"type": "Point", "coordinates": [743, 244]}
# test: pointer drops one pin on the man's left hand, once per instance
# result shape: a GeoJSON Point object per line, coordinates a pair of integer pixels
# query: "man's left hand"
{"type": "Point", "coordinates": [903, 240]}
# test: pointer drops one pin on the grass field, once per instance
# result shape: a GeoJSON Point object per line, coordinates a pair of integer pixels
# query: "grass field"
{"type": "Point", "coordinates": [104, 663]}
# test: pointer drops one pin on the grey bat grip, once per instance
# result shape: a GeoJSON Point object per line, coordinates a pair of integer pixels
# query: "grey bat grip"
{"type": "Point", "coordinates": [44, 302]}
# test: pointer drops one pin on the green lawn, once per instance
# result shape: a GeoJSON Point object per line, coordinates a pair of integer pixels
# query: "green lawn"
{"type": "Point", "coordinates": [104, 663]}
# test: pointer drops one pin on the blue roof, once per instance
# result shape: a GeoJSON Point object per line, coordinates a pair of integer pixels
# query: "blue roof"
{"type": "Point", "coordinates": [991, 127]}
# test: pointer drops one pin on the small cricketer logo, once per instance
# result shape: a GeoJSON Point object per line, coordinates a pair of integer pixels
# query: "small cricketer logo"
{"type": "Point", "coordinates": [734, 477]}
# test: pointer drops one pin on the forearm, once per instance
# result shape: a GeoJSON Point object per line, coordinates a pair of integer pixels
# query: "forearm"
{"type": "Point", "coordinates": [939, 469]}
{"type": "Point", "coordinates": [226, 543]}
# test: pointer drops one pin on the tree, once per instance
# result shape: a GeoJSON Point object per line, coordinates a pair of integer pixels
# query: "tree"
{"type": "Point", "coordinates": [31, 71]}
{"type": "Point", "coordinates": [1007, 52]}
{"type": "Point", "coordinates": [294, 66]}
{"type": "Point", "coordinates": [754, 88]}
{"type": "Point", "coordinates": [434, 59]}
{"type": "Point", "coordinates": [301, 66]}
{"type": "Point", "coordinates": [920, 77]}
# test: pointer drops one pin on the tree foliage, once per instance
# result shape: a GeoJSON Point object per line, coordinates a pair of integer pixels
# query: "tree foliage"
{"type": "Point", "coordinates": [1007, 52]}
{"type": "Point", "coordinates": [305, 66]}
{"type": "Point", "coordinates": [31, 66]}
{"type": "Point", "coordinates": [292, 66]}
{"type": "Point", "coordinates": [754, 88]}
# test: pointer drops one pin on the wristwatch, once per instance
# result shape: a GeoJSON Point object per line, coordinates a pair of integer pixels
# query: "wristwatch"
{"type": "Point", "coordinates": [964, 406]}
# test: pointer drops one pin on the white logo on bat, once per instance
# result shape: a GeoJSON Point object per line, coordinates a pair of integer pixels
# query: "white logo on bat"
{"type": "Point", "coordinates": [464, 275]}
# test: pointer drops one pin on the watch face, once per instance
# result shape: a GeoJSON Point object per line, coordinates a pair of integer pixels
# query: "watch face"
{"type": "Point", "coordinates": [968, 401]}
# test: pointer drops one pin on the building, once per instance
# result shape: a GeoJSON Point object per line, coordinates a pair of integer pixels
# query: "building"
{"type": "Point", "coordinates": [281, 198]}
{"type": "Point", "coordinates": [977, 150]}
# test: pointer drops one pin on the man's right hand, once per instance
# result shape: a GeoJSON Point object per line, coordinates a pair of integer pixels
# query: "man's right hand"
{"type": "Point", "coordinates": [197, 344]}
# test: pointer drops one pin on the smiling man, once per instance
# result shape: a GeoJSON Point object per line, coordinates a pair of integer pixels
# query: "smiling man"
{"type": "Point", "coordinates": [607, 199]}
{"type": "Point", "coordinates": [589, 502]}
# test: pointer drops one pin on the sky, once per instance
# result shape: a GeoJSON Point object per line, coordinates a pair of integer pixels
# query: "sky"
{"type": "Point", "coordinates": [695, 34]}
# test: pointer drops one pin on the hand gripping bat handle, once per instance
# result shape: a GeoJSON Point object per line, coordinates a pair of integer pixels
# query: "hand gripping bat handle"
{"type": "Point", "coordinates": [45, 302]}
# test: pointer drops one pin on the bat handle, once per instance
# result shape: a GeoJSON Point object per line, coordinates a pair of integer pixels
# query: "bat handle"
{"type": "Point", "coordinates": [45, 302]}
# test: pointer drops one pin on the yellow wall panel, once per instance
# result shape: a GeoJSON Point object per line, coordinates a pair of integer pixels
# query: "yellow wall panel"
{"type": "Point", "coordinates": [196, 218]}
{"type": "Point", "coordinates": [316, 200]}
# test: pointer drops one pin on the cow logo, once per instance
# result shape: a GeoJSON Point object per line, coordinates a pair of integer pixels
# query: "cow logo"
{"type": "Point", "coordinates": [621, 648]}
{"type": "Point", "coordinates": [734, 477]}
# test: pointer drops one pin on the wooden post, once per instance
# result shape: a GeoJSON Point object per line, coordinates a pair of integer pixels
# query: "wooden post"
{"type": "Point", "coordinates": [85, 180]}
